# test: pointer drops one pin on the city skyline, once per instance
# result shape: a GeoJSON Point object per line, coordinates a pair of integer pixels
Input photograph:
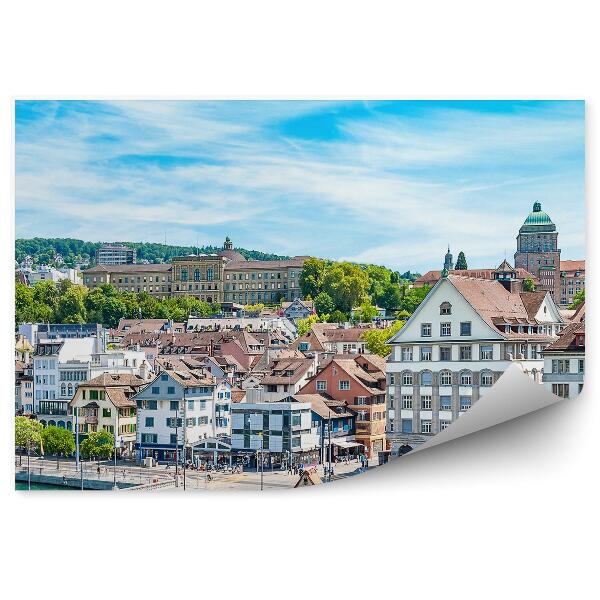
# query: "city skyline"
{"type": "Point", "coordinates": [198, 171]}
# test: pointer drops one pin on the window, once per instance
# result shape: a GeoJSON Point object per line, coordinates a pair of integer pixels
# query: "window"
{"type": "Point", "coordinates": [426, 352]}
{"type": "Point", "coordinates": [164, 377]}
{"type": "Point", "coordinates": [444, 425]}
{"type": "Point", "coordinates": [149, 421]}
{"type": "Point", "coordinates": [445, 353]}
{"type": "Point", "coordinates": [344, 385]}
{"type": "Point", "coordinates": [486, 379]}
{"type": "Point", "coordinates": [466, 378]}
{"type": "Point", "coordinates": [465, 328]}
{"type": "Point", "coordinates": [561, 389]}
{"type": "Point", "coordinates": [581, 365]}
{"type": "Point", "coordinates": [445, 378]}
{"type": "Point", "coordinates": [361, 400]}
{"type": "Point", "coordinates": [174, 405]}
{"type": "Point", "coordinates": [465, 353]}
{"type": "Point", "coordinates": [106, 412]}
{"type": "Point", "coordinates": [425, 402]}
{"type": "Point", "coordinates": [465, 402]}
{"type": "Point", "coordinates": [560, 366]}
{"type": "Point", "coordinates": [445, 402]}
{"type": "Point", "coordinates": [426, 378]}
{"type": "Point", "coordinates": [425, 426]}
{"type": "Point", "coordinates": [156, 390]}
{"type": "Point", "coordinates": [407, 378]}
{"type": "Point", "coordinates": [445, 329]}
{"type": "Point", "coordinates": [406, 425]}
{"type": "Point", "coordinates": [407, 353]}
{"type": "Point", "coordinates": [407, 402]}
{"type": "Point", "coordinates": [425, 329]}
{"type": "Point", "coordinates": [173, 439]}
{"type": "Point", "coordinates": [170, 390]}
{"type": "Point", "coordinates": [445, 308]}
{"type": "Point", "coordinates": [321, 385]}
{"type": "Point", "coordinates": [486, 352]}
{"type": "Point", "coordinates": [392, 379]}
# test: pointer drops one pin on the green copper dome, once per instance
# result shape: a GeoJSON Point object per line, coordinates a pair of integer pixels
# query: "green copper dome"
{"type": "Point", "coordinates": [537, 220]}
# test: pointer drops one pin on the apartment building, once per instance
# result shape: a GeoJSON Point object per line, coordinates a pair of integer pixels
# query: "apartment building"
{"type": "Point", "coordinates": [179, 409]}
{"type": "Point", "coordinates": [155, 279]}
{"type": "Point", "coordinates": [456, 345]}
{"type": "Point", "coordinates": [105, 402]}
{"type": "Point", "coordinates": [363, 392]}
{"type": "Point", "coordinates": [281, 430]}
{"type": "Point", "coordinates": [572, 280]}
{"type": "Point", "coordinates": [115, 254]}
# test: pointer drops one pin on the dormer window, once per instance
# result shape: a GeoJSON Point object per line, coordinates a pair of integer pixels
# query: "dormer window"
{"type": "Point", "coordinates": [445, 308]}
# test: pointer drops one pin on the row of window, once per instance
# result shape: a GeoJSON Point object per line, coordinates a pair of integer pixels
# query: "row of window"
{"type": "Point", "coordinates": [486, 352]}
{"type": "Point", "coordinates": [425, 402]}
{"type": "Point", "coordinates": [564, 365]}
{"type": "Point", "coordinates": [486, 378]}
{"type": "Point", "coordinates": [446, 328]}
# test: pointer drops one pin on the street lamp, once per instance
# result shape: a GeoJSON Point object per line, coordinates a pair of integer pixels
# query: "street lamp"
{"type": "Point", "coordinates": [118, 444]}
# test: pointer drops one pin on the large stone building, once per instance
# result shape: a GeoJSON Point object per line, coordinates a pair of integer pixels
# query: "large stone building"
{"type": "Point", "coordinates": [457, 344]}
{"type": "Point", "coordinates": [538, 251]}
{"type": "Point", "coordinates": [572, 280]}
{"type": "Point", "coordinates": [222, 277]}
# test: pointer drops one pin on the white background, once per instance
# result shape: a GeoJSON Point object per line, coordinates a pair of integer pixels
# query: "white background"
{"type": "Point", "coordinates": [506, 513]}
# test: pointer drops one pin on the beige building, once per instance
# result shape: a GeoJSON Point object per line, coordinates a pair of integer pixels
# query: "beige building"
{"type": "Point", "coordinates": [222, 277]}
{"type": "Point", "coordinates": [105, 403]}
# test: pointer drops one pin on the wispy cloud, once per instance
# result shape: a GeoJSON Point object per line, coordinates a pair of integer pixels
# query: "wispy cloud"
{"type": "Point", "coordinates": [389, 183]}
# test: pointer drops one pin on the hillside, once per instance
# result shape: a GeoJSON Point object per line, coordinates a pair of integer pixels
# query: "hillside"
{"type": "Point", "coordinates": [44, 250]}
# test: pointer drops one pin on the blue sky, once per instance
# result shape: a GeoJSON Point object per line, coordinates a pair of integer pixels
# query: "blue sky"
{"type": "Point", "coordinates": [384, 182]}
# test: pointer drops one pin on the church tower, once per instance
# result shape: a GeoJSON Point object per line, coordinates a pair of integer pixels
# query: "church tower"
{"type": "Point", "coordinates": [538, 252]}
{"type": "Point", "coordinates": [448, 264]}
{"type": "Point", "coordinates": [227, 245]}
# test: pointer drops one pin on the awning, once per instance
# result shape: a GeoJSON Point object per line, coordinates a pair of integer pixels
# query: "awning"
{"type": "Point", "coordinates": [345, 444]}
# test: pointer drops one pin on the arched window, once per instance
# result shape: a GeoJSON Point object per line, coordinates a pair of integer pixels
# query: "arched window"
{"type": "Point", "coordinates": [63, 389]}
{"type": "Point", "coordinates": [61, 424]}
{"type": "Point", "coordinates": [197, 275]}
{"type": "Point", "coordinates": [69, 425]}
{"type": "Point", "coordinates": [445, 308]}
{"type": "Point", "coordinates": [43, 423]}
{"type": "Point", "coordinates": [209, 274]}
{"type": "Point", "coordinates": [426, 378]}
{"type": "Point", "coordinates": [184, 274]}
{"type": "Point", "coordinates": [52, 423]}
{"type": "Point", "coordinates": [407, 378]}
{"type": "Point", "coordinates": [70, 390]}
{"type": "Point", "coordinates": [445, 378]}
{"type": "Point", "coordinates": [486, 378]}
{"type": "Point", "coordinates": [466, 378]}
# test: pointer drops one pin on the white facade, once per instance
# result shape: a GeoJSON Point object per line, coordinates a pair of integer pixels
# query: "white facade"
{"type": "Point", "coordinates": [447, 356]}
{"type": "Point", "coordinates": [202, 411]}
{"type": "Point", "coordinates": [46, 273]}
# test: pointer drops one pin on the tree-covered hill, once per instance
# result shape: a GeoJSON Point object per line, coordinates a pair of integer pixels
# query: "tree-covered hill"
{"type": "Point", "coordinates": [44, 251]}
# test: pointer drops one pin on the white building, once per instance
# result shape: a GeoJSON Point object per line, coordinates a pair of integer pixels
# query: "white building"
{"type": "Point", "coordinates": [177, 410]}
{"type": "Point", "coordinates": [564, 362]}
{"type": "Point", "coordinates": [46, 273]}
{"type": "Point", "coordinates": [276, 428]}
{"type": "Point", "coordinates": [61, 365]}
{"type": "Point", "coordinates": [456, 345]}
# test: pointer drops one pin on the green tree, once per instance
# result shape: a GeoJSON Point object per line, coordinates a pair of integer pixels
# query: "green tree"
{"type": "Point", "coordinates": [578, 298]}
{"type": "Point", "coordinates": [528, 285]}
{"type": "Point", "coordinates": [58, 442]}
{"type": "Point", "coordinates": [304, 325]}
{"type": "Point", "coordinates": [391, 297]}
{"type": "Point", "coordinates": [461, 262]}
{"type": "Point", "coordinates": [346, 284]}
{"type": "Point", "coordinates": [24, 304]}
{"type": "Point", "coordinates": [98, 445]}
{"type": "Point", "coordinates": [413, 297]}
{"type": "Point", "coordinates": [45, 294]}
{"type": "Point", "coordinates": [311, 277]}
{"type": "Point", "coordinates": [376, 338]}
{"type": "Point", "coordinates": [28, 434]}
{"type": "Point", "coordinates": [324, 304]}
{"type": "Point", "coordinates": [365, 313]}
{"type": "Point", "coordinates": [71, 305]}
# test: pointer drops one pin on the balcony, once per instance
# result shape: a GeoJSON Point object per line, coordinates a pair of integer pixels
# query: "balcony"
{"type": "Point", "coordinates": [92, 420]}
